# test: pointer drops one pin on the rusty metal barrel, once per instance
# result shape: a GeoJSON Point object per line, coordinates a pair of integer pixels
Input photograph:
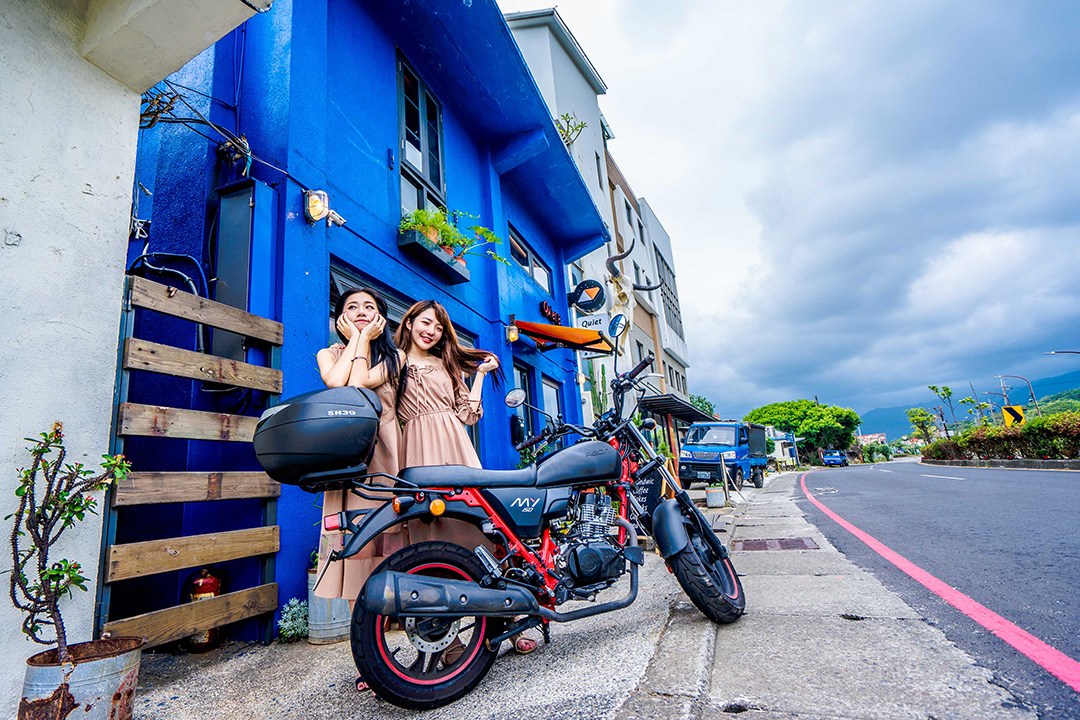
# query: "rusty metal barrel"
{"type": "Point", "coordinates": [98, 685]}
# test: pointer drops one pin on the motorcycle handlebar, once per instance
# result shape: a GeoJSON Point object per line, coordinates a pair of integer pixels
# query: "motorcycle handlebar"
{"type": "Point", "coordinates": [641, 366]}
{"type": "Point", "coordinates": [531, 442]}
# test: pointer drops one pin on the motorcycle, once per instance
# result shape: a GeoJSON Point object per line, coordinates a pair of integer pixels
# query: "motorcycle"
{"type": "Point", "coordinates": [429, 621]}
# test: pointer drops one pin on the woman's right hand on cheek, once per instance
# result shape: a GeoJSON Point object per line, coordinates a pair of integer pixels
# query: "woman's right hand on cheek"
{"type": "Point", "coordinates": [345, 327]}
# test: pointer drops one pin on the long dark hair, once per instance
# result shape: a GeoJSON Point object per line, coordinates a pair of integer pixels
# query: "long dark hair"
{"type": "Point", "coordinates": [455, 358]}
{"type": "Point", "coordinates": [383, 348]}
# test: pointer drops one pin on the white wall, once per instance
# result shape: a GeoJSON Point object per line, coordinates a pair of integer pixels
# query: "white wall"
{"type": "Point", "coordinates": [566, 90]}
{"type": "Point", "coordinates": [68, 134]}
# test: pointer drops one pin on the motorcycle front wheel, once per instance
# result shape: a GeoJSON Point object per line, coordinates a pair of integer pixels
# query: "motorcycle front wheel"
{"type": "Point", "coordinates": [425, 662]}
{"type": "Point", "coordinates": [710, 581]}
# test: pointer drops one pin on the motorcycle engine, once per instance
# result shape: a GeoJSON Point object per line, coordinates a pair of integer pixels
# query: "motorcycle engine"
{"type": "Point", "coordinates": [590, 557]}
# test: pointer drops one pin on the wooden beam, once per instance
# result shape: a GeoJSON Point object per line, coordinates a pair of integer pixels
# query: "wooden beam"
{"type": "Point", "coordinates": [151, 557]}
{"type": "Point", "coordinates": [157, 421]}
{"type": "Point", "coordinates": [175, 623]}
{"type": "Point", "coordinates": [182, 304]}
{"type": "Point", "coordinates": [150, 488]}
{"type": "Point", "coordinates": [168, 360]}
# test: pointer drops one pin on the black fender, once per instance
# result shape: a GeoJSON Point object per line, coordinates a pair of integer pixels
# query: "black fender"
{"type": "Point", "coordinates": [668, 529]}
{"type": "Point", "coordinates": [374, 523]}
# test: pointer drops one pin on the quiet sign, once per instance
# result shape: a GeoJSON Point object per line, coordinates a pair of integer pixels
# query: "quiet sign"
{"type": "Point", "coordinates": [592, 322]}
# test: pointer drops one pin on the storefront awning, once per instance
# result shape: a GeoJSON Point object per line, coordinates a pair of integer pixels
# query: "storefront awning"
{"type": "Point", "coordinates": [550, 337]}
{"type": "Point", "coordinates": [674, 406]}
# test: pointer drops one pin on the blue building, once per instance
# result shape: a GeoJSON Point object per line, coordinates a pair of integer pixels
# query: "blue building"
{"type": "Point", "coordinates": [386, 107]}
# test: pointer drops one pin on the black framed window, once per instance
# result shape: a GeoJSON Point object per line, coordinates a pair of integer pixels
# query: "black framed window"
{"type": "Point", "coordinates": [528, 260]}
{"type": "Point", "coordinates": [523, 416]}
{"type": "Point", "coordinates": [552, 397]}
{"type": "Point", "coordinates": [669, 295]}
{"type": "Point", "coordinates": [421, 143]}
{"type": "Point", "coordinates": [640, 351]}
{"type": "Point", "coordinates": [629, 215]}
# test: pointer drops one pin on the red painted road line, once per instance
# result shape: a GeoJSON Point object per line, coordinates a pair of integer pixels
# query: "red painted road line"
{"type": "Point", "coordinates": [1052, 660]}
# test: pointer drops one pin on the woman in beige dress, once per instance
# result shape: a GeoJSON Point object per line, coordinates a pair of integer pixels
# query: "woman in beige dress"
{"type": "Point", "coordinates": [366, 357]}
{"type": "Point", "coordinates": [435, 404]}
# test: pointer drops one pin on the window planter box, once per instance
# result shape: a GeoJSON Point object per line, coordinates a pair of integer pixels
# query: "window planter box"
{"type": "Point", "coordinates": [417, 245]}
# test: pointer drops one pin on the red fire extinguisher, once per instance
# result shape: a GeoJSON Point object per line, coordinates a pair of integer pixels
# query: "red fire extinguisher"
{"type": "Point", "coordinates": [204, 587]}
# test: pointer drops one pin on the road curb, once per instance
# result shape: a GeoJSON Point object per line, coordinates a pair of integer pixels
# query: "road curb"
{"type": "Point", "coordinates": [1073, 465]}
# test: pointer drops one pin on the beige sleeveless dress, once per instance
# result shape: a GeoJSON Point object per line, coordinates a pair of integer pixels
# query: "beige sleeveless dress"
{"type": "Point", "coordinates": [345, 578]}
{"type": "Point", "coordinates": [434, 418]}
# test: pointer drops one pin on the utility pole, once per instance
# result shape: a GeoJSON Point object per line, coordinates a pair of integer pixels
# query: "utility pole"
{"type": "Point", "coordinates": [941, 414]}
{"type": "Point", "coordinates": [1031, 389]}
{"type": "Point", "coordinates": [1004, 391]}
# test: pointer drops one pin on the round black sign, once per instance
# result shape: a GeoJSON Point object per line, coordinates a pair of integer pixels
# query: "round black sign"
{"type": "Point", "coordinates": [588, 296]}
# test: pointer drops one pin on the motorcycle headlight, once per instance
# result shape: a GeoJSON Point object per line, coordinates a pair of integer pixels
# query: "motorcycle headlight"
{"type": "Point", "coordinates": [685, 454]}
{"type": "Point", "coordinates": [729, 454]}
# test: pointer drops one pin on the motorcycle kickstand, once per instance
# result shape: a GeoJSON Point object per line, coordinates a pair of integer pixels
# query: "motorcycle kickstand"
{"type": "Point", "coordinates": [546, 631]}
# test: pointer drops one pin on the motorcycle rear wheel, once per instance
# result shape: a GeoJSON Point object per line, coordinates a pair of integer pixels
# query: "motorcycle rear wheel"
{"type": "Point", "coordinates": [709, 581]}
{"type": "Point", "coordinates": [409, 667]}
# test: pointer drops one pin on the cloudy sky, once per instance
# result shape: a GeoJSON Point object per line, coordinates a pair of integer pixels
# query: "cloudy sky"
{"type": "Point", "coordinates": [863, 198]}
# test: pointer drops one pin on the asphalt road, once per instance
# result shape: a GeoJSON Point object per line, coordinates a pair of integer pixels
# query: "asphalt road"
{"type": "Point", "coordinates": [1009, 539]}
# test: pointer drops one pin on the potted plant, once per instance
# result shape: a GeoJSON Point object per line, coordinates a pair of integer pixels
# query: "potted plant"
{"type": "Point", "coordinates": [98, 676]}
{"type": "Point", "coordinates": [441, 229]}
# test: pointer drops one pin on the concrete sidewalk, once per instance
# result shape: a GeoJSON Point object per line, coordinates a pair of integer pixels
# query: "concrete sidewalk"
{"type": "Point", "coordinates": [821, 639]}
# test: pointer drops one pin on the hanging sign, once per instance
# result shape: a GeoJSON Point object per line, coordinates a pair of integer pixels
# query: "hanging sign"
{"type": "Point", "coordinates": [598, 322]}
{"type": "Point", "coordinates": [588, 296]}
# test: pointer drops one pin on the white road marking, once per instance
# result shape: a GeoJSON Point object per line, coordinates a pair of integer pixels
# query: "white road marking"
{"type": "Point", "coordinates": [943, 477]}
{"type": "Point", "coordinates": [882, 470]}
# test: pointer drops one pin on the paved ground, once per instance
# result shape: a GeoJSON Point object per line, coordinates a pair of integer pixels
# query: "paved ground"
{"type": "Point", "coordinates": [821, 640]}
{"type": "Point", "coordinates": [1005, 538]}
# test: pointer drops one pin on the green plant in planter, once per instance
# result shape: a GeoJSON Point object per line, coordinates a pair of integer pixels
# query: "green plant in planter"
{"type": "Point", "coordinates": [442, 230]}
{"type": "Point", "coordinates": [53, 497]}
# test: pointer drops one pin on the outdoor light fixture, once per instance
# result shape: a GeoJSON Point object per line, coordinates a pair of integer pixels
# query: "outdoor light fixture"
{"type": "Point", "coordinates": [512, 334]}
{"type": "Point", "coordinates": [316, 205]}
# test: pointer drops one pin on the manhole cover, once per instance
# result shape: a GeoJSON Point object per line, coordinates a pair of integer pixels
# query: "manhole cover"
{"type": "Point", "coordinates": [803, 543]}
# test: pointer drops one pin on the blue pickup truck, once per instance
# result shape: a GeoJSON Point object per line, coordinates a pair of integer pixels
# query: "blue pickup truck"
{"type": "Point", "coordinates": [835, 458]}
{"type": "Point", "coordinates": [738, 445]}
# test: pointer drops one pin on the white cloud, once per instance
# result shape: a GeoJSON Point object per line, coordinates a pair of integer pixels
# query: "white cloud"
{"type": "Point", "coordinates": [863, 198]}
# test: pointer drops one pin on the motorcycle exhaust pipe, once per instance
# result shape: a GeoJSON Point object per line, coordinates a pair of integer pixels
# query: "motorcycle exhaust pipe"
{"type": "Point", "coordinates": [401, 594]}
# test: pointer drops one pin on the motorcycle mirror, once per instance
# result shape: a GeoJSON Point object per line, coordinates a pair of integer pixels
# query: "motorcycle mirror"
{"type": "Point", "coordinates": [515, 398]}
{"type": "Point", "coordinates": [617, 326]}
{"type": "Point", "coordinates": [648, 424]}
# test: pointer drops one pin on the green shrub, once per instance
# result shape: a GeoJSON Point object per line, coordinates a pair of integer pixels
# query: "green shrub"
{"type": "Point", "coordinates": [1051, 437]}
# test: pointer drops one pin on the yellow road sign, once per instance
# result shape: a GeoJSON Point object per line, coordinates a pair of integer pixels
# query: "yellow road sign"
{"type": "Point", "coordinates": [1014, 415]}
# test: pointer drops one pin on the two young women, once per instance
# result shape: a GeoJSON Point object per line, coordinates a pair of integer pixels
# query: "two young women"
{"type": "Point", "coordinates": [419, 376]}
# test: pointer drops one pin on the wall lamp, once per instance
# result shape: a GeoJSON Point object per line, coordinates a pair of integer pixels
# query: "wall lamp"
{"type": "Point", "coordinates": [317, 207]}
{"type": "Point", "coordinates": [512, 333]}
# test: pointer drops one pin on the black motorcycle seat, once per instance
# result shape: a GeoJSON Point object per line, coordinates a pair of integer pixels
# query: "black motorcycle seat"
{"type": "Point", "coordinates": [465, 476]}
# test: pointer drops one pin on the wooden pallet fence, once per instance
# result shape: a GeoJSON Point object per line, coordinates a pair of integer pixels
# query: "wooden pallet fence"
{"type": "Point", "coordinates": [176, 623]}
{"type": "Point", "coordinates": [152, 488]}
{"type": "Point", "coordinates": [167, 360]}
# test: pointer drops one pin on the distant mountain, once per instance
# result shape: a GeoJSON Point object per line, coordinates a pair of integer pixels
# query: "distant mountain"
{"type": "Point", "coordinates": [893, 420]}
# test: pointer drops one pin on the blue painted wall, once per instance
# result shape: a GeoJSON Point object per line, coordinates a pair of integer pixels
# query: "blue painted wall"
{"type": "Point", "coordinates": [314, 90]}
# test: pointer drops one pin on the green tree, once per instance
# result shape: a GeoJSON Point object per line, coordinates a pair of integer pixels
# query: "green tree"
{"type": "Point", "coordinates": [821, 427]}
{"type": "Point", "coordinates": [976, 409]}
{"type": "Point", "coordinates": [703, 404]}
{"type": "Point", "coordinates": [923, 423]}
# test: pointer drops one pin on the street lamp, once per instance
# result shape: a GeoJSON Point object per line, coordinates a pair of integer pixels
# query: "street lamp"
{"type": "Point", "coordinates": [1018, 377]}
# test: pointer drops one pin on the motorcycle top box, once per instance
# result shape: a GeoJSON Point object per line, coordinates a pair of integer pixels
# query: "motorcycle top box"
{"type": "Point", "coordinates": [318, 432]}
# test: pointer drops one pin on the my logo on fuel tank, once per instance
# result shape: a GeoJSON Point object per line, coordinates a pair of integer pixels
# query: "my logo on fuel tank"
{"type": "Point", "coordinates": [525, 504]}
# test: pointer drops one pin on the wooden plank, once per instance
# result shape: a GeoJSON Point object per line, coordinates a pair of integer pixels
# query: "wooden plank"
{"type": "Point", "coordinates": [150, 557]}
{"type": "Point", "coordinates": [149, 488]}
{"type": "Point", "coordinates": [168, 360]}
{"type": "Point", "coordinates": [182, 304]}
{"type": "Point", "coordinates": [175, 623]}
{"type": "Point", "coordinates": [157, 421]}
